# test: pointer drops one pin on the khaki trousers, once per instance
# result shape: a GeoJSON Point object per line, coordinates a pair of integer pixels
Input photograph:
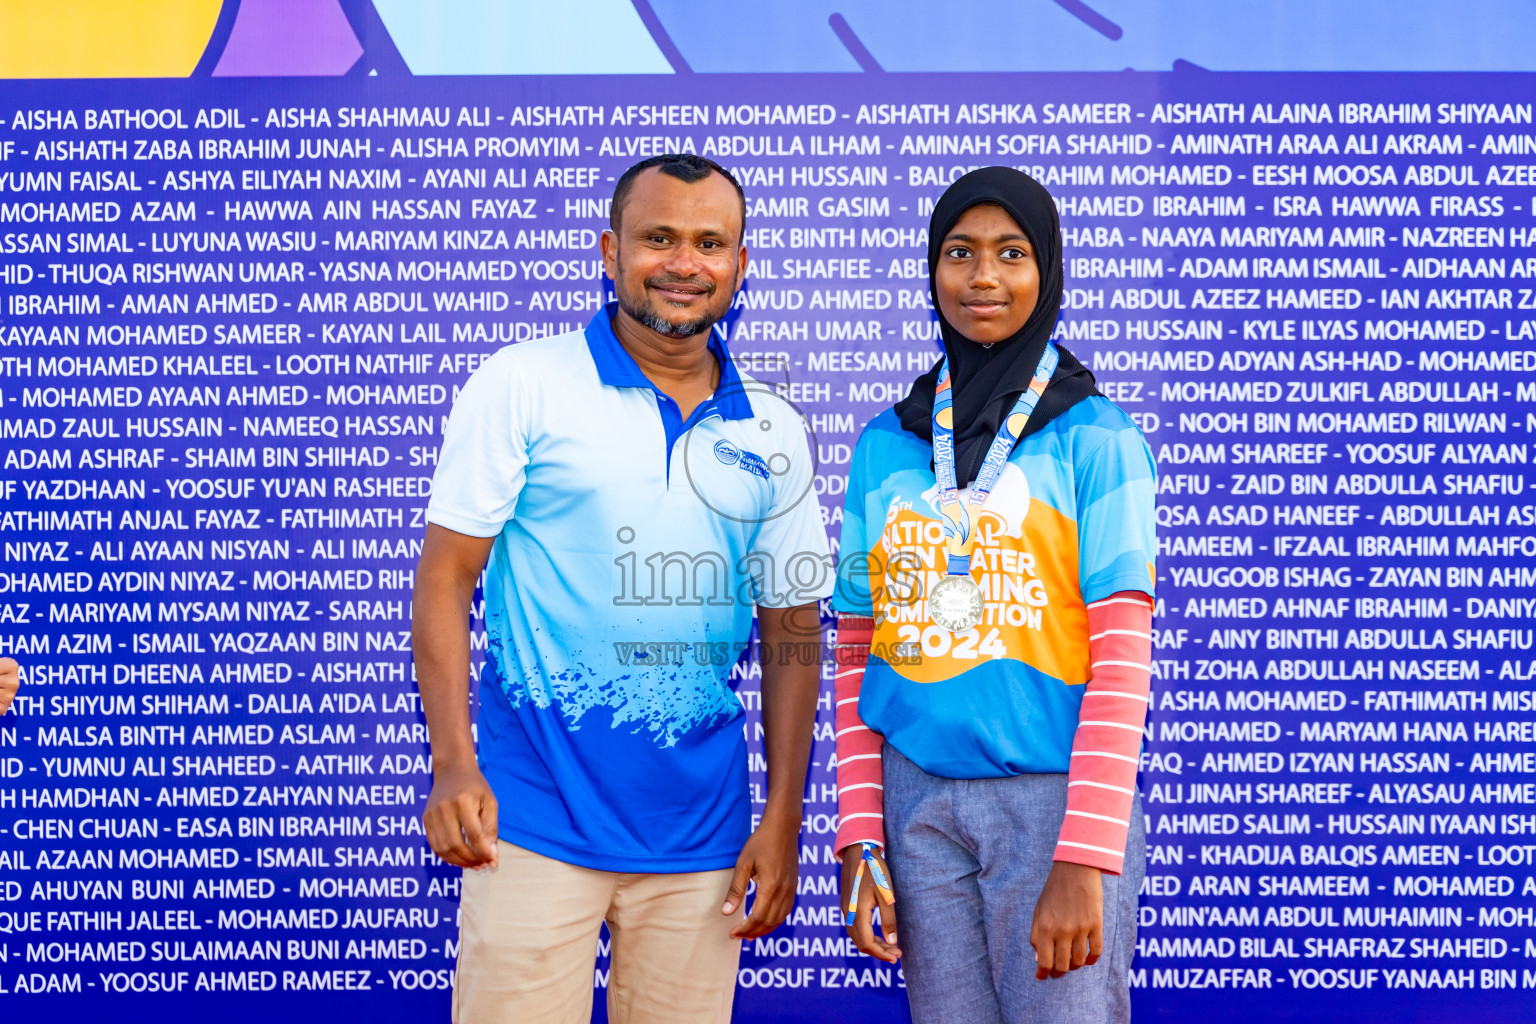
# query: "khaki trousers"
{"type": "Point", "coordinates": [528, 944]}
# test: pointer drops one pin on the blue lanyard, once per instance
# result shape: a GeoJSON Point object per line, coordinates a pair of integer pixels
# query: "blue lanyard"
{"type": "Point", "coordinates": [956, 518]}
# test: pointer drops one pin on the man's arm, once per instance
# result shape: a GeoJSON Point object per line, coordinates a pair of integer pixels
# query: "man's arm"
{"type": "Point", "coordinates": [790, 643]}
{"type": "Point", "coordinates": [10, 680]}
{"type": "Point", "coordinates": [460, 818]}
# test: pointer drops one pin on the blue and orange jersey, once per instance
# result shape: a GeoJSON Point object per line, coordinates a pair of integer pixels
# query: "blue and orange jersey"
{"type": "Point", "coordinates": [1069, 523]}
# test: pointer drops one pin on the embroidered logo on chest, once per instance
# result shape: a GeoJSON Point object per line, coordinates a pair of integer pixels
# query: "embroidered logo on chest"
{"type": "Point", "coordinates": [730, 455]}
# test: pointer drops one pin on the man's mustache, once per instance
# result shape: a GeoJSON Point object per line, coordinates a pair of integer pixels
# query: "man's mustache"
{"type": "Point", "coordinates": [705, 286]}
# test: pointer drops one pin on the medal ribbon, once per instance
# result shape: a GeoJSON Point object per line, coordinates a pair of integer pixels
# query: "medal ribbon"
{"type": "Point", "coordinates": [957, 518]}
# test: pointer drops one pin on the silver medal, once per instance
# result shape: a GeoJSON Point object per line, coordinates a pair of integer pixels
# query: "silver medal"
{"type": "Point", "coordinates": [955, 604]}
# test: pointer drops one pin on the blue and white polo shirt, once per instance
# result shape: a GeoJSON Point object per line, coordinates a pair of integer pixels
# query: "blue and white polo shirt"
{"type": "Point", "coordinates": [631, 546]}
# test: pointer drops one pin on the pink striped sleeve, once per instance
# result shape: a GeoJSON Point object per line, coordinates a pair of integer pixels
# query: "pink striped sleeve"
{"type": "Point", "coordinates": [1102, 779]}
{"type": "Point", "coordinates": [860, 791]}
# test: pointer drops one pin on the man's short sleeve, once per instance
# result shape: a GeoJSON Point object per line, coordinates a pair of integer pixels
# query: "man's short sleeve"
{"type": "Point", "coordinates": [481, 467]}
{"type": "Point", "coordinates": [789, 561]}
{"type": "Point", "coordinates": [1116, 529]}
{"type": "Point", "coordinates": [853, 548]}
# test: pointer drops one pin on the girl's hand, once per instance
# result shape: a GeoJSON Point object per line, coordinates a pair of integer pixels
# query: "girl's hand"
{"type": "Point", "coordinates": [1068, 930]}
{"type": "Point", "coordinates": [862, 931]}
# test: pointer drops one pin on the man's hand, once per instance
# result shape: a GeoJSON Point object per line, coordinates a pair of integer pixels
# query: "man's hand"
{"type": "Point", "coordinates": [772, 857]}
{"type": "Point", "coordinates": [791, 656]}
{"type": "Point", "coordinates": [10, 680]}
{"type": "Point", "coordinates": [460, 818]}
{"type": "Point", "coordinates": [1068, 930]}
{"type": "Point", "coordinates": [862, 931]}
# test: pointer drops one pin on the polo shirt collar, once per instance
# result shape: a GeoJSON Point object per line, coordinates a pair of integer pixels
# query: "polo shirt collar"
{"type": "Point", "coordinates": [617, 368]}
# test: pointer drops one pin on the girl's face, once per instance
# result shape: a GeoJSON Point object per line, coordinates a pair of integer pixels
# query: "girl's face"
{"type": "Point", "coordinates": [987, 281]}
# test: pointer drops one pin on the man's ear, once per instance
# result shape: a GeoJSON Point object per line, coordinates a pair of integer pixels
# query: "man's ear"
{"type": "Point", "coordinates": [608, 245]}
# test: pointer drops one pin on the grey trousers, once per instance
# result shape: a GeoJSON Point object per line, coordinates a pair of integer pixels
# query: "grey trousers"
{"type": "Point", "coordinates": [969, 858]}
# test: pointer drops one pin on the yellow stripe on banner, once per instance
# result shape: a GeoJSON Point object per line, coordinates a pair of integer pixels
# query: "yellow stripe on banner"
{"type": "Point", "coordinates": [104, 38]}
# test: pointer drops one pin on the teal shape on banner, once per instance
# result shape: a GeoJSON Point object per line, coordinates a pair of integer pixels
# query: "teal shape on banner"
{"type": "Point", "coordinates": [523, 37]}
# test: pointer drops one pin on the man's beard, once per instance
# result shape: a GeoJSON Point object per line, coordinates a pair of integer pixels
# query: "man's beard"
{"type": "Point", "coordinates": [650, 316]}
{"type": "Point", "coordinates": [668, 329]}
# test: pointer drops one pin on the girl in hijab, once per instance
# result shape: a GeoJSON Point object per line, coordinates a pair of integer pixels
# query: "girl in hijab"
{"type": "Point", "coordinates": [994, 641]}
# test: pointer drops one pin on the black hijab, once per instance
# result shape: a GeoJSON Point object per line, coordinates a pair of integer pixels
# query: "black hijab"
{"type": "Point", "coordinates": [988, 381]}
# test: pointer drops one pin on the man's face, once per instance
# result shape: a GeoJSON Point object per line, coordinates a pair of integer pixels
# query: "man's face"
{"type": "Point", "coordinates": [676, 259]}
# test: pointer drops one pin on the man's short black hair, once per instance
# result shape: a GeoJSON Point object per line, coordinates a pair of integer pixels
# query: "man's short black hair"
{"type": "Point", "coordinates": [687, 167]}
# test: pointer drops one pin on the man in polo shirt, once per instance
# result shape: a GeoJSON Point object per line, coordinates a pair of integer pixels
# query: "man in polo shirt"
{"type": "Point", "coordinates": [636, 497]}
